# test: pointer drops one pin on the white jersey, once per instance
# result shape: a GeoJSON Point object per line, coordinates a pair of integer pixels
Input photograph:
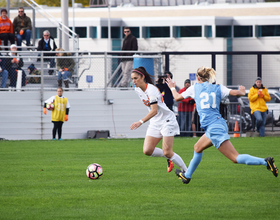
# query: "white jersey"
{"type": "Point", "coordinates": [152, 96]}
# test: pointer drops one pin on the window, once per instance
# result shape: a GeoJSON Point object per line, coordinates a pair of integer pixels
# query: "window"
{"type": "Point", "coordinates": [93, 32]}
{"type": "Point", "coordinates": [243, 31]}
{"type": "Point", "coordinates": [188, 31]}
{"type": "Point", "coordinates": [115, 32]}
{"type": "Point", "coordinates": [268, 30]}
{"type": "Point", "coordinates": [208, 31]}
{"type": "Point", "coordinates": [223, 31]}
{"type": "Point", "coordinates": [81, 31]}
{"type": "Point", "coordinates": [150, 32]}
{"type": "Point", "coordinates": [39, 32]}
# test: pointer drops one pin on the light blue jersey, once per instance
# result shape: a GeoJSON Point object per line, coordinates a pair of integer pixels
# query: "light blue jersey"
{"type": "Point", "coordinates": [208, 97]}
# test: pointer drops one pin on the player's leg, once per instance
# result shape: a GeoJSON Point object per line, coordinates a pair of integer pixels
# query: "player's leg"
{"type": "Point", "coordinates": [54, 129]}
{"type": "Point", "coordinates": [59, 129]}
{"type": "Point", "coordinates": [227, 149]}
{"type": "Point", "coordinates": [167, 147]}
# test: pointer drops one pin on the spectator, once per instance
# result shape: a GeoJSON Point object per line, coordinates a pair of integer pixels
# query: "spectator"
{"type": "Point", "coordinates": [3, 72]}
{"type": "Point", "coordinates": [185, 109]}
{"type": "Point", "coordinates": [33, 71]}
{"type": "Point", "coordinates": [129, 43]}
{"type": "Point", "coordinates": [65, 68]}
{"type": "Point", "coordinates": [22, 27]}
{"type": "Point", "coordinates": [165, 91]}
{"type": "Point", "coordinates": [60, 112]}
{"type": "Point", "coordinates": [6, 29]}
{"type": "Point", "coordinates": [257, 96]}
{"type": "Point", "coordinates": [47, 43]}
{"type": "Point", "coordinates": [13, 64]}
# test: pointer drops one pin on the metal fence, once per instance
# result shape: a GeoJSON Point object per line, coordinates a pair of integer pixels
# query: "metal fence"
{"type": "Point", "coordinates": [34, 70]}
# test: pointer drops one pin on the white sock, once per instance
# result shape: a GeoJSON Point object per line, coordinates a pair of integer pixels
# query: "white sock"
{"type": "Point", "coordinates": [158, 153]}
{"type": "Point", "coordinates": [179, 162]}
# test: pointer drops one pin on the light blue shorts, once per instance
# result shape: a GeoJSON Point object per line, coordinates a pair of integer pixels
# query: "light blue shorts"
{"type": "Point", "coordinates": [217, 132]}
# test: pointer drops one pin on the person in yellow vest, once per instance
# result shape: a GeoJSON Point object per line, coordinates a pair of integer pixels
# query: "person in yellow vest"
{"type": "Point", "coordinates": [59, 113]}
{"type": "Point", "coordinates": [258, 96]}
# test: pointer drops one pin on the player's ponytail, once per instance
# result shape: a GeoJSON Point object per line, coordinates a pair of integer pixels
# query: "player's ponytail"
{"type": "Point", "coordinates": [206, 74]}
{"type": "Point", "coordinates": [143, 72]}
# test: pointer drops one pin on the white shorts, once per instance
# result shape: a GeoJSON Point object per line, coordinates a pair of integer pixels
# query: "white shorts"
{"type": "Point", "coordinates": [168, 128]}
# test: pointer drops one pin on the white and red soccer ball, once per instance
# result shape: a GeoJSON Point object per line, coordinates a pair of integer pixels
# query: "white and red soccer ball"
{"type": "Point", "coordinates": [94, 171]}
{"type": "Point", "coordinates": [50, 106]}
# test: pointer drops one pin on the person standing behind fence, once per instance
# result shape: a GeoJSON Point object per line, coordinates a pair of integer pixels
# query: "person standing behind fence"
{"type": "Point", "coordinates": [185, 109]}
{"type": "Point", "coordinates": [65, 67]}
{"type": "Point", "coordinates": [163, 124]}
{"type": "Point", "coordinates": [258, 96]}
{"type": "Point", "coordinates": [3, 72]}
{"type": "Point", "coordinates": [47, 43]}
{"type": "Point", "coordinates": [6, 29]}
{"type": "Point", "coordinates": [59, 113]}
{"type": "Point", "coordinates": [129, 43]}
{"type": "Point", "coordinates": [13, 64]}
{"type": "Point", "coordinates": [22, 27]}
{"type": "Point", "coordinates": [208, 97]}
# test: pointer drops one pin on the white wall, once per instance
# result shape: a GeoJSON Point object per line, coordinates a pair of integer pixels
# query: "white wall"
{"type": "Point", "coordinates": [22, 118]}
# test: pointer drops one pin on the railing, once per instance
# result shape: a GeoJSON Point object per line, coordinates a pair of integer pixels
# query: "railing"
{"type": "Point", "coordinates": [63, 28]}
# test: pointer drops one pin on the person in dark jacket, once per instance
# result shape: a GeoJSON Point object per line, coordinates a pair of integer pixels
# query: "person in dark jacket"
{"type": "Point", "coordinates": [22, 27]}
{"type": "Point", "coordinates": [47, 43]}
{"type": "Point", "coordinates": [13, 64]}
{"type": "Point", "coordinates": [165, 91]}
{"type": "Point", "coordinates": [129, 43]}
{"type": "Point", "coordinates": [3, 72]}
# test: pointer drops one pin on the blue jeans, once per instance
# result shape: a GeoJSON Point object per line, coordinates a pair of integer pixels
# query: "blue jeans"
{"type": "Point", "coordinates": [260, 121]}
{"type": "Point", "coordinates": [185, 121]}
{"type": "Point", "coordinates": [26, 35]}
{"type": "Point", "coordinates": [63, 75]}
{"type": "Point", "coordinates": [4, 75]}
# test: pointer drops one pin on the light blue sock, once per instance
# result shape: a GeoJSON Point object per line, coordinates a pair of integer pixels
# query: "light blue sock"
{"type": "Point", "coordinates": [250, 160]}
{"type": "Point", "coordinates": [193, 164]}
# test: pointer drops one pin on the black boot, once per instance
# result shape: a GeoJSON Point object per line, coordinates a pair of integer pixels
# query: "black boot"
{"type": "Point", "coordinates": [59, 82]}
{"type": "Point", "coordinates": [66, 83]}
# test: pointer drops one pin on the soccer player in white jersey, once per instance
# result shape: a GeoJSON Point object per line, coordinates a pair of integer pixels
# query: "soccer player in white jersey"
{"type": "Point", "coordinates": [208, 97]}
{"type": "Point", "coordinates": [163, 124]}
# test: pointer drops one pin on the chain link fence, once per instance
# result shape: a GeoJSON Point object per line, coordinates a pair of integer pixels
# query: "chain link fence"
{"type": "Point", "coordinates": [72, 70]}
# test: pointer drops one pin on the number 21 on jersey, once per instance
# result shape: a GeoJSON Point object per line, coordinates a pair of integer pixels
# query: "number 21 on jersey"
{"type": "Point", "coordinates": [204, 102]}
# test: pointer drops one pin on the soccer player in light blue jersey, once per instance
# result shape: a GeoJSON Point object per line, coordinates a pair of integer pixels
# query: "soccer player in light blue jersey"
{"type": "Point", "coordinates": [208, 97]}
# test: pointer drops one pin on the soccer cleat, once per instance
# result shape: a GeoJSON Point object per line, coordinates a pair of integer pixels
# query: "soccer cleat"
{"type": "Point", "coordinates": [271, 166]}
{"type": "Point", "coordinates": [181, 175]}
{"type": "Point", "coordinates": [169, 166]}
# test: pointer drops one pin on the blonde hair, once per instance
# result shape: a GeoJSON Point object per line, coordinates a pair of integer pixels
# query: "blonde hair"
{"type": "Point", "coordinates": [62, 54]}
{"type": "Point", "coordinates": [206, 74]}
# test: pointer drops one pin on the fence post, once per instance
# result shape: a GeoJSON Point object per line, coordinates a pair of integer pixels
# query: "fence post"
{"type": "Point", "coordinates": [105, 80]}
{"type": "Point", "coordinates": [213, 56]}
{"type": "Point", "coordinates": [166, 61]}
{"type": "Point", "coordinates": [259, 65]}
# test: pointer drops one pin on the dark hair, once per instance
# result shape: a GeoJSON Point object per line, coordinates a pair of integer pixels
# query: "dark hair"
{"type": "Point", "coordinates": [4, 10]}
{"type": "Point", "coordinates": [168, 72]}
{"type": "Point", "coordinates": [143, 72]}
{"type": "Point", "coordinates": [126, 28]}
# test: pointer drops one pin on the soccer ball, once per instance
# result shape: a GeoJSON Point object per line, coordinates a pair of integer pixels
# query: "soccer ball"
{"type": "Point", "coordinates": [94, 171]}
{"type": "Point", "coordinates": [50, 106]}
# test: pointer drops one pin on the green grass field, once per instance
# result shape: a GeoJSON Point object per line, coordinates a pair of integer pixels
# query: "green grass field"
{"type": "Point", "coordinates": [47, 180]}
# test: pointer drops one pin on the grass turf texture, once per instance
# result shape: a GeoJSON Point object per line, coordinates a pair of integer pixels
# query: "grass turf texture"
{"type": "Point", "coordinates": [47, 180]}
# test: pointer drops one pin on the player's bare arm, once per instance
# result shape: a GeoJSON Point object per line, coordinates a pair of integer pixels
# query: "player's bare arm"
{"type": "Point", "coordinates": [240, 92]}
{"type": "Point", "coordinates": [151, 114]}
